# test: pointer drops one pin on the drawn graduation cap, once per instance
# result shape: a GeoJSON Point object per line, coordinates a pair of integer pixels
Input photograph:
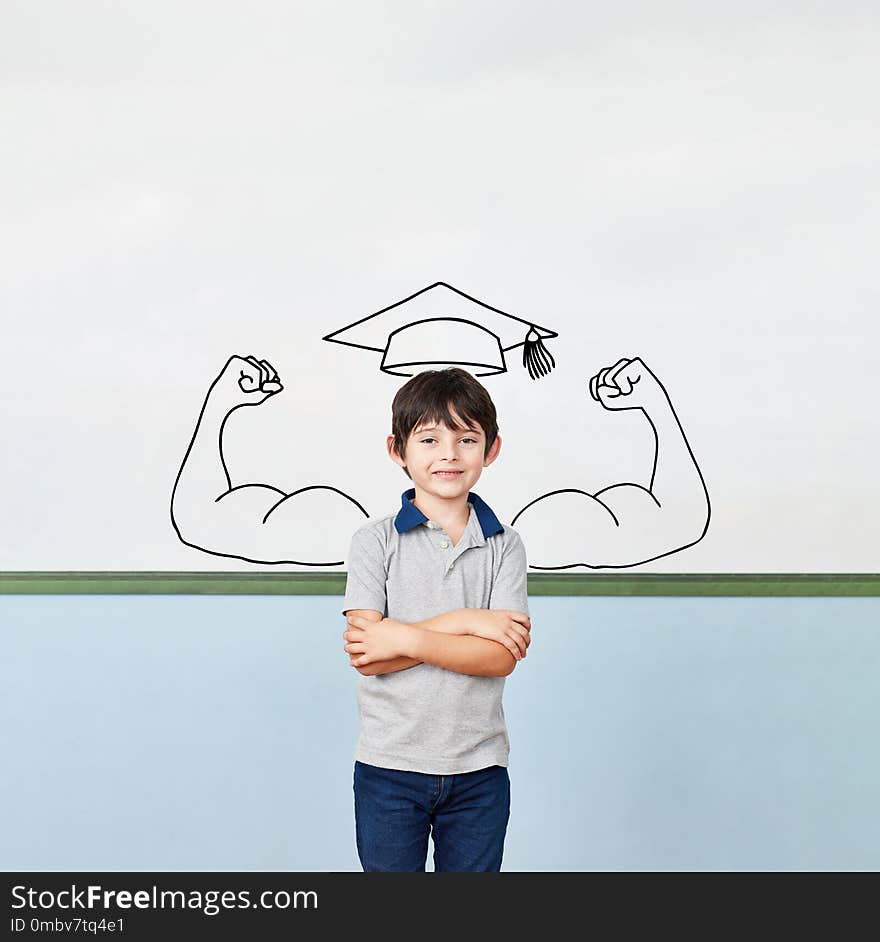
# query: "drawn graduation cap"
{"type": "Point", "coordinates": [441, 326]}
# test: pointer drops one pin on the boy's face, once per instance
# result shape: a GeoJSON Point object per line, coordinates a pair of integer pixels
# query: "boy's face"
{"type": "Point", "coordinates": [442, 462]}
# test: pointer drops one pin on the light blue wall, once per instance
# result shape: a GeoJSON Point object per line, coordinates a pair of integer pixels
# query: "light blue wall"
{"type": "Point", "coordinates": [216, 733]}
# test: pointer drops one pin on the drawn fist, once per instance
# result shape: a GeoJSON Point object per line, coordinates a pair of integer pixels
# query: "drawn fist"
{"type": "Point", "coordinates": [245, 381]}
{"type": "Point", "coordinates": [629, 384]}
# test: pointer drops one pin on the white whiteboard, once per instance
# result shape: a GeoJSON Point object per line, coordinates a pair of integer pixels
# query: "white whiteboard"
{"type": "Point", "coordinates": [186, 182]}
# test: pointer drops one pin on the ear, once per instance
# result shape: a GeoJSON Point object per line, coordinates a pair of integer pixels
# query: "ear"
{"type": "Point", "coordinates": [392, 451]}
{"type": "Point", "coordinates": [493, 452]}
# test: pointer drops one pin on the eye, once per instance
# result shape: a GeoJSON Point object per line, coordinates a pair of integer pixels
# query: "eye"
{"type": "Point", "coordinates": [424, 441]}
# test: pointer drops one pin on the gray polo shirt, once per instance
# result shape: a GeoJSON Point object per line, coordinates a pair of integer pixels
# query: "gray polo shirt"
{"type": "Point", "coordinates": [427, 718]}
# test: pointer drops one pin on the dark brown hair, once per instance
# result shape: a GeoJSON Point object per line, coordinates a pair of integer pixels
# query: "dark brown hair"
{"type": "Point", "coordinates": [433, 396]}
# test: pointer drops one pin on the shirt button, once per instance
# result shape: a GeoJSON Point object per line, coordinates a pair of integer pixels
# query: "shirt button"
{"type": "Point", "coordinates": [444, 545]}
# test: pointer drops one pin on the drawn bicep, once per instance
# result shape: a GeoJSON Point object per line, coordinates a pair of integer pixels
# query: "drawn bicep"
{"type": "Point", "coordinates": [262, 523]}
{"type": "Point", "coordinates": [573, 528]}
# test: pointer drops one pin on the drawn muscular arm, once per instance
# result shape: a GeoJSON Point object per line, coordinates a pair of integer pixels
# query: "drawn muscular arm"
{"type": "Point", "coordinates": [251, 521]}
{"type": "Point", "coordinates": [627, 523]}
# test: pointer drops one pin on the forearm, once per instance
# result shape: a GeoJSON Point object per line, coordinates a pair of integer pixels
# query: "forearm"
{"type": "Point", "coordinates": [451, 640]}
{"type": "Point", "coordinates": [445, 623]}
{"type": "Point", "coordinates": [449, 623]}
{"type": "Point", "coordinates": [202, 477]}
{"type": "Point", "coordinates": [464, 654]}
{"type": "Point", "coordinates": [676, 482]}
{"type": "Point", "coordinates": [388, 667]}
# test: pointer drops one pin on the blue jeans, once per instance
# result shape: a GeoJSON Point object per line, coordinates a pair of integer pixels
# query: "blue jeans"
{"type": "Point", "coordinates": [466, 814]}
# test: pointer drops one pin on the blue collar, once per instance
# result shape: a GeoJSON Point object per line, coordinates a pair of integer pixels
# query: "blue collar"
{"type": "Point", "coordinates": [410, 516]}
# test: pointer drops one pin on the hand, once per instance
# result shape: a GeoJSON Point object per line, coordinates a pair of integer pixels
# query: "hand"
{"type": "Point", "coordinates": [371, 616]}
{"type": "Point", "coordinates": [512, 629]}
{"type": "Point", "coordinates": [629, 384]}
{"type": "Point", "coordinates": [369, 641]}
{"type": "Point", "coordinates": [244, 381]}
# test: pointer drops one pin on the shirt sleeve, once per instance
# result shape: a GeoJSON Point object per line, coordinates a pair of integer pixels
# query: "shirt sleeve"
{"type": "Point", "coordinates": [365, 572]}
{"type": "Point", "coordinates": [510, 586]}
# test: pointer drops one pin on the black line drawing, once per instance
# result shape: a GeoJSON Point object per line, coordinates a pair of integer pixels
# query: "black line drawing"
{"type": "Point", "coordinates": [626, 524]}
{"type": "Point", "coordinates": [257, 523]}
{"type": "Point", "coordinates": [441, 326]}
{"type": "Point", "coordinates": [623, 525]}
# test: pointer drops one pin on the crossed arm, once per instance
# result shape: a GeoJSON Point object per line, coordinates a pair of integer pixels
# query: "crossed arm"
{"type": "Point", "coordinates": [483, 642]}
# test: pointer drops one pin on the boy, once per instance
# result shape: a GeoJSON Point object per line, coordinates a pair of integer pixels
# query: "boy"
{"type": "Point", "coordinates": [437, 612]}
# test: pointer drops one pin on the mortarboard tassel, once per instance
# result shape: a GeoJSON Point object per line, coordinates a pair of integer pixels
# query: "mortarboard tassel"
{"type": "Point", "coordinates": [536, 357]}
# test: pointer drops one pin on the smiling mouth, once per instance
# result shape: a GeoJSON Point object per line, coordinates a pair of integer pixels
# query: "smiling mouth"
{"type": "Point", "coordinates": [448, 474]}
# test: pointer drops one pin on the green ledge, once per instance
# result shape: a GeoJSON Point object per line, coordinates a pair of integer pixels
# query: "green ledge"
{"type": "Point", "coordinates": [333, 583]}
